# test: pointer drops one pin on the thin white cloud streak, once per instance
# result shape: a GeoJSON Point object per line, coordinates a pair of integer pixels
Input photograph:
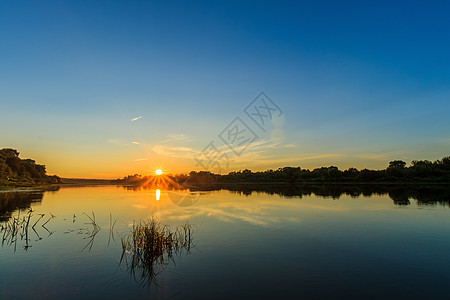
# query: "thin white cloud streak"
{"type": "Point", "coordinates": [135, 119]}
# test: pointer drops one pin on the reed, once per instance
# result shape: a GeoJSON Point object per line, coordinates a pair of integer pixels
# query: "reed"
{"type": "Point", "coordinates": [150, 246]}
{"type": "Point", "coordinates": [93, 234]}
{"type": "Point", "coordinates": [111, 229]}
{"type": "Point", "coordinates": [17, 229]}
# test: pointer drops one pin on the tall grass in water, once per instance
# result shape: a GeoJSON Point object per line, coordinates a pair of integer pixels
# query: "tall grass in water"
{"type": "Point", "coordinates": [150, 247]}
{"type": "Point", "coordinates": [93, 234]}
{"type": "Point", "coordinates": [17, 229]}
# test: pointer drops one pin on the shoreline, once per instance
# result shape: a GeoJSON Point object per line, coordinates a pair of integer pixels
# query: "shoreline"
{"type": "Point", "coordinates": [24, 188]}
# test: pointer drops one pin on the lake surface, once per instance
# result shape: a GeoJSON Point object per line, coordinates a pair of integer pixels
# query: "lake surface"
{"type": "Point", "coordinates": [246, 245]}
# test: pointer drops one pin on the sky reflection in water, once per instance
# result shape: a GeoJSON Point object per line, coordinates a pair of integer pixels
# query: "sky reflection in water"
{"type": "Point", "coordinates": [246, 246]}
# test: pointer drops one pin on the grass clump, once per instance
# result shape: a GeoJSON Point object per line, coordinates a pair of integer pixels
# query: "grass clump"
{"type": "Point", "coordinates": [150, 246]}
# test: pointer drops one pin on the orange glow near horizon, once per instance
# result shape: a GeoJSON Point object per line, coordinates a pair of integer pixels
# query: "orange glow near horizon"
{"type": "Point", "coordinates": [159, 182]}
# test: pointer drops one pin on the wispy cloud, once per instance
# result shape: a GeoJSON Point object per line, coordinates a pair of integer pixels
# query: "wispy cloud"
{"type": "Point", "coordinates": [263, 160]}
{"type": "Point", "coordinates": [328, 155]}
{"type": "Point", "coordinates": [120, 142]}
{"type": "Point", "coordinates": [382, 156]}
{"type": "Point", "coordinates": [263, 151]}
{"type": "Point", "coordinates": [135, 119]}
{"type": "Point", "coordinates": [178, 137]}
{"type": "Point", "coordinates": [116, 142]}
{"type": "Point", "coordinates": [257, 146]}
{"type": "Point", "coordinates": [290, 145]}
{"type": "Point", "coordinates": [372, 156]}
{"type": "Point", "coordinates": [175, 152]}
{"type": "Point", "coordinates": [141, 159]}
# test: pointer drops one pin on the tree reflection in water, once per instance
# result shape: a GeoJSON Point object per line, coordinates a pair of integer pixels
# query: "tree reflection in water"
{"type": "Point", "coordinates": [400, 194]}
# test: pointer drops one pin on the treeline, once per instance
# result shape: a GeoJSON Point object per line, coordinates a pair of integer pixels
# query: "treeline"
{"type": "Point", "coordinates": [15, 171]}
{"type": "Point", "coordinates": [423, 171]}
{"type": "Point", "coordinates": [202, 178]}
{"type": "Point", "coordinates": [85, 181]}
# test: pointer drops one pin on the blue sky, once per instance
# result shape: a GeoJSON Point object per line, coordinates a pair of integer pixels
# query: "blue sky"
{"type": "Point", "coordinates": [360, 83]}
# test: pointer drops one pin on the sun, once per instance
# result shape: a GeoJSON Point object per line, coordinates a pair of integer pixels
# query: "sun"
{"type": "Point", "coordinates": [158, 172]}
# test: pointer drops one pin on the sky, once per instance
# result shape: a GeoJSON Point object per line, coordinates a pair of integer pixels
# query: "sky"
{"type": "Point", "coordinates": [102, 89]}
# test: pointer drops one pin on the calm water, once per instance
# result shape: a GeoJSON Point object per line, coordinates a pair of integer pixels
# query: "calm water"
{"type": "Point", "coordinates": [257, 245]}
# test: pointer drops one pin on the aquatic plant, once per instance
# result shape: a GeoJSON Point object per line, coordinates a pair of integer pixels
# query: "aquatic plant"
{"type": "Point", "coordinates": [150, 246]}
{"type": "Point", "coordinates": [95, 229]}
{"type": "Point", "coordinates": [17, 229]}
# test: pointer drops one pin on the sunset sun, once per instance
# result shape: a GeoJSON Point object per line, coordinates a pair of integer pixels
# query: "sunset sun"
{"type": "Point", "coordinates": [158, 172]}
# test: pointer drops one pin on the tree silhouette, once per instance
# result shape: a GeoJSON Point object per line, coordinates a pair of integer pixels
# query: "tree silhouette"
{"type": "Point", "coordinates": [15, 171]}
{"type": "Point", "coordinates": [397, 164]}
